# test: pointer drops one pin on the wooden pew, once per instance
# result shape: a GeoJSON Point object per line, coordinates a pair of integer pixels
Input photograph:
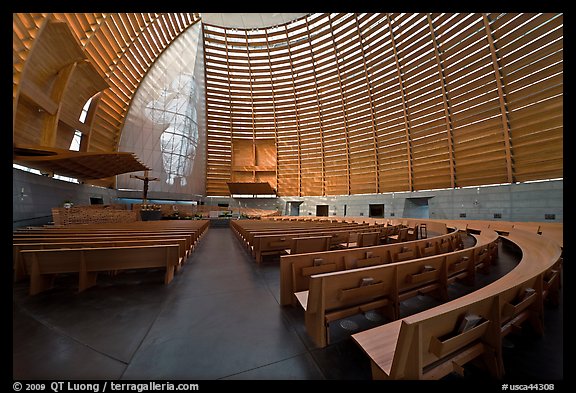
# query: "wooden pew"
{"type": "Point", "coordinates": [502, 228]}
{"type": "Point", "coordinates": [427, 249]}
{"type": "Point", "coordinates": [184, 233]}
{"type": "Point", "coordinates": [249, 236]}
{"type": "Point", "coordinates": [105, 236]}
{"type": "Point", "coordinates": [400, 237]}
{"type": "Point", "coordinates": [333, 296]}
{"type": "Point", "coordinates": [367, 239]}
{"type": "Point", "coordinates": [422, 276]}
{"type": "Point", "coordinates": [20, 270]}
{"type": "Point", "coordinates": [337, 295]}
{"type": "Point", "coordinates": [521, 303]}
{"type": "Point", "coordinates": [246, 230]}
{"type": "Point", "coordinates": [277, 243]}
{"type": "Point", "coordinates": [87, 262]}
{"type": "Point", "coordinates": [430, 274]}
{"type": "Point", "coordinates": [405, 252]}
{"type": "Point", "coordinates": [533, 227]}
{"type": "Point", "coordinates": [295, 271]}
{"type": "Point", "coordinates": [301, 245]}
{"type": "Point", "coordinates": [460, 265]}
{"type": "Point", "coordinates": [427, 345]}
{"type": "Point", "coordinates": [195, 227]}
{"type": "Point", "coordinates": [340, 239]}
{"type": "Point", "coordinates": [432, 348]}
{"type": "Point", "coordinates": [194, 234]}
{"type": "Point", "coordinates": [553, 232]}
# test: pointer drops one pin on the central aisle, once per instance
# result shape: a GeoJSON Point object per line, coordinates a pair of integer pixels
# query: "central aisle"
{"type": "Point", "coordinates": [222, 319]}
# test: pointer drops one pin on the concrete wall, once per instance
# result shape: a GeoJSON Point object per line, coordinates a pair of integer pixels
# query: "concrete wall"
{"type": "Point", "coordinates": [34, 196]}
{"type": "Point", "coordinates": [514, 202]}
{"type": "Point", "coordinates": [260, 203]}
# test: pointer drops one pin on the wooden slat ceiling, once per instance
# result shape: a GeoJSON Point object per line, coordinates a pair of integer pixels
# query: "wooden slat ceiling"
{"type": "Point", "coordinates": [368, 103]}
{"type": "Point", "coordinates": [121, 46]}
{"type": "Point", "coordinates": [356, 103]}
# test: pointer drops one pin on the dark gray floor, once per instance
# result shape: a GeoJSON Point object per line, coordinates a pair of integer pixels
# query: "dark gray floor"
{"type": "Point", "coordinates": [219, 319]}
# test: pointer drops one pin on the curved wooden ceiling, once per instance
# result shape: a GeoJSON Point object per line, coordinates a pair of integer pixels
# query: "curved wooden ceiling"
{"type": "Point", "coordinates": [370, 103]}
{"type": "Point", "coordinates": [121, 46]}
{"type": "Point", "coordinates": [355, 103]}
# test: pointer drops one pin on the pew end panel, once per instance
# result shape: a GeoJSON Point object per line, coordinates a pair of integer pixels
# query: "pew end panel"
{"type": "Point", "coordinates": [381, 345]}
{"type": "Point", "coordinates": [431, 346]}
{"type": "Point", "coordinates": [43, 270]}
{"type": "Point", "coordinates": [308, 244]}
{"type": "Point", "coordinates": [333, 296]}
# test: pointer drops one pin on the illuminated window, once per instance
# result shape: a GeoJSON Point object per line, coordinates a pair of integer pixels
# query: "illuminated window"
{"type": "Point", "coordinates": [175, 109]}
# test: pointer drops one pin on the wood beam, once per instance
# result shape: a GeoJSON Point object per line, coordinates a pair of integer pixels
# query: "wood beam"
{"type": "Point", "coordinates": [343, 106]}
{"type": "Point", "coordinates": [447, 114]}
{"type": "Point", "coordinates": [251, 106]}
{"type": "Point", "coordinates": [321, 133]}
{"type": "Point", "coordinates": [502, 101]}
{"type": "Point", "coordinates": [404, 106]}
{"type": "Point", "coordinates": [36, 95]}
{"type": "Point", "coordinates": [50, 122]}
{"type": "Point", "coordinates": [295, 113]}
{"type": "Point", "coordinates": [273, 110]}
{"type": "Point", "coordinates": [372, 116]}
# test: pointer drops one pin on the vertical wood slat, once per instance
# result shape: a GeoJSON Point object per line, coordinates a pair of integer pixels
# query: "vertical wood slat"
{"type": "Point", "coordinates": [229, 101]}
{"type": "Point", "coordinates": [295, 113]}
{"type": "Point", "coordinates": [404, 107]}
{"type": "Point", "coordinates": [344, 115]}
{"type": "Point", "coordinates": [252, 107]}
{"type": "Point", "coordinates": [503, 110]}
{"type": "Point", "coordinates": [206, 155]}
{"type": "Point", "coordinates": [321, 133]}
{"type": "Point", "coordinates": [371, 105]}
{"type": "Point", "coordinates": [447, 114]}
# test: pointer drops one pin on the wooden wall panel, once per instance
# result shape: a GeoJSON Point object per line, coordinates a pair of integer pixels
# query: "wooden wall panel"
{"type": "Point", "coordinates": [355, 103]}
{"type": "Point", "coordinates": [121, 47]}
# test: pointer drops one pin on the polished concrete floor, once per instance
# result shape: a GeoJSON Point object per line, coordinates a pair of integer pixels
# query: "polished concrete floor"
{"type": "Point", "coordinates": [220, 319]}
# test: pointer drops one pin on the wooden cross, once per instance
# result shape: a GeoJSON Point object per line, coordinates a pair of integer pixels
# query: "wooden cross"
{"type": "Point", "coordinates": [146, 179]}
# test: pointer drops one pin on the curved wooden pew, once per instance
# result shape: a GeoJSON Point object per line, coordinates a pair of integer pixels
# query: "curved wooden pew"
{"type": "Point", "coordinates": [432, 344]}
{"type": "Point", "coordinates": [336, 295]}
{"type": "Point", "coordinates": [295, 271]}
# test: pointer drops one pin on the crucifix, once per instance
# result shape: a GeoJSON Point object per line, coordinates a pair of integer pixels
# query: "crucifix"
{"type": "Point", "coordinates": [146, 179]}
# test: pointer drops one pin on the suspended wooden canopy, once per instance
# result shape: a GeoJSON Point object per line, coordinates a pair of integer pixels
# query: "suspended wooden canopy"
{"type": "Point", "coordinates": [251, 188]}
{"type": "Point", "coordinates": [79, 165]}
